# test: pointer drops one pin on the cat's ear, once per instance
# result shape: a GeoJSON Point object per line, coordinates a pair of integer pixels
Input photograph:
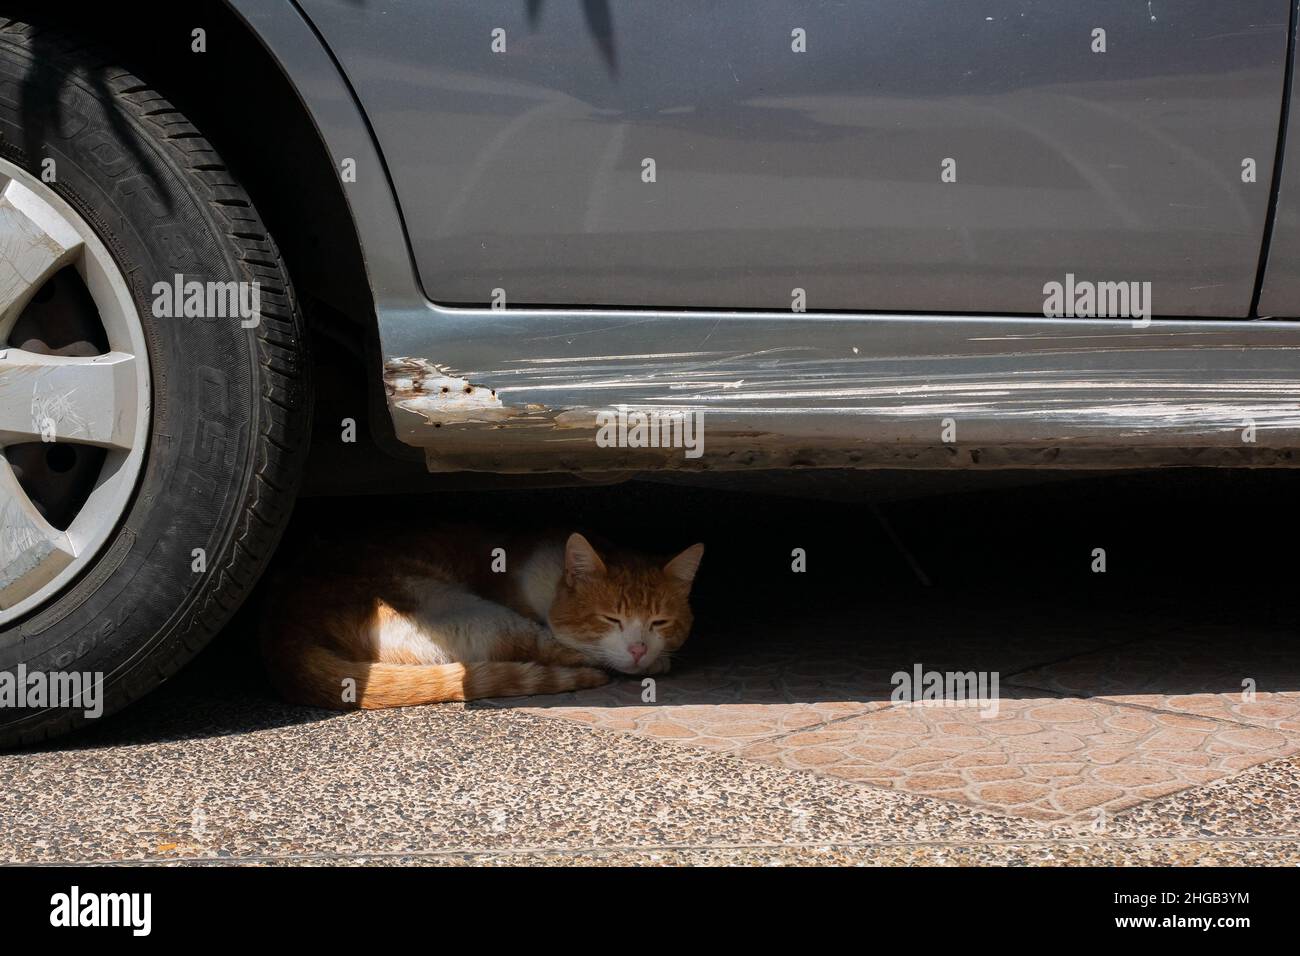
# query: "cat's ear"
{"type": "Point", "coordinates": [581, 559]}
{"type": "Point", "coordinates": [684, 566]}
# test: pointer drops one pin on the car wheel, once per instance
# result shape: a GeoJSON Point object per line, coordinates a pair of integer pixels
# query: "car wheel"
{"type": "Point", "coordinates": [152, 431]}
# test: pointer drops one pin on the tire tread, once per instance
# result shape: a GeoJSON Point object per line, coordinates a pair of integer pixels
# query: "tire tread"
{"type": "Point", "coordinates": [283, 408]}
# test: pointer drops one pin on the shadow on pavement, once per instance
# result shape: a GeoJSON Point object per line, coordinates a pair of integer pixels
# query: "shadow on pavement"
{"type": "Point", "coordinates": [1195, 599]}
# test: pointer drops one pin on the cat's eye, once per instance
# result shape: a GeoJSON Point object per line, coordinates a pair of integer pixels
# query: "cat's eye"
{"type": "Point", "coordinates": [616, 621]}
{"type": "Point", "coordinates": [659, 623]}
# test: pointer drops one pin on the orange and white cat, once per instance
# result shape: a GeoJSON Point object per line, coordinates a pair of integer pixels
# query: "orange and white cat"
{"type": "Point", "coordinates": [426, 619]}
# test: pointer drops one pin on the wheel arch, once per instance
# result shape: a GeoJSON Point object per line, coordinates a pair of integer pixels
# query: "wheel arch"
{"type": "Point", "coordinates": [276, 151]}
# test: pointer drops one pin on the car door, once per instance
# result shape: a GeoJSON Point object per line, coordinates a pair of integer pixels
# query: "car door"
{"type": "Point", "coordinates": [904, 156]}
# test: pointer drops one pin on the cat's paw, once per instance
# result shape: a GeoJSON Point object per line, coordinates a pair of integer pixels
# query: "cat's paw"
{"type": "Point", "coordinates": [585, 677]}
{"type": "Point", "coordinates": [661, 666]}
{"type": "Point", "coordinates": [551, 651]}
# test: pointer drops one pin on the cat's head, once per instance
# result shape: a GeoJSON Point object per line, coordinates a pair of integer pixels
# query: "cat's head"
{"type": "Point", "coordinates": [627, 614]}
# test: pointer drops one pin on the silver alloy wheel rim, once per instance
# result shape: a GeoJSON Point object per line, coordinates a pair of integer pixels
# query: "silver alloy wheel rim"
{"type": "Point", "coordinates": [101, 401]}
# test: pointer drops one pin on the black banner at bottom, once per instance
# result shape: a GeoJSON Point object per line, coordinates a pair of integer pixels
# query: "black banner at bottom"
{"type": "Point", "coordinates": [213, 903]}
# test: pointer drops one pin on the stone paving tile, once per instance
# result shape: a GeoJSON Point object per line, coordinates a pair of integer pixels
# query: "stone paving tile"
{"type": "Point", "coordinates": [1094, 719]}
{"type": "Point", "coordinates": [1258, 802]}
{"type": "Point", "coordinates": [724, 700]}
{"type": "Point", "coordinates": [1047, 759]}
{"type": "Point", "coordinates": [726, 728]}
{"type": "Point", "coordinates": [1200, 671]}
{"type": "Point", "coordinates": [703, 707]}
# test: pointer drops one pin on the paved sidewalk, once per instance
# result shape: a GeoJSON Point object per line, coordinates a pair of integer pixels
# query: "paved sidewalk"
{"type": "Point", "coordinates": [1091, 718]}
{"type": "Point", "coordinates": [1119, 738]}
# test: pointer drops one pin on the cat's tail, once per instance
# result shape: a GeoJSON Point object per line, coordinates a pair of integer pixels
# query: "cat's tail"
{"type": "Point", "coordinates": [322, 678]}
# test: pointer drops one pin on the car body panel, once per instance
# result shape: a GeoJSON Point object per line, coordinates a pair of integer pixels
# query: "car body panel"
{"type": "Point", "coordinates": [1279, 293]}
{"type": "Point", "coordinates": [526, 391]}
{"type": "Point", "coordinates": [778, 390]}
{"type": "Point", "coordinates": [522, 170]}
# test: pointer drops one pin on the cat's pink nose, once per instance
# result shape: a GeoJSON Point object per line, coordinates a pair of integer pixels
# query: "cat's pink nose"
{"type": "Point", "coordinates": [637, 651]}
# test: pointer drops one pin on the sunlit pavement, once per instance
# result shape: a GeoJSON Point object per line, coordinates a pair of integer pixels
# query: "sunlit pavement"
{"type": "Point", "coordinates": [1153, 723]}
{"type": "Point", "coordinates": [1090, 718]}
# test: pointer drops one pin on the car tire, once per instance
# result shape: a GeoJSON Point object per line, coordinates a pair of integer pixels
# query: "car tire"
{"type": "Point", "coordinates": [221, 406]}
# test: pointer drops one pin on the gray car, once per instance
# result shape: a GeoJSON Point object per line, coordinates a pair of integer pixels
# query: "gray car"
{"type": "Point", "coordinates": [600, 238]}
